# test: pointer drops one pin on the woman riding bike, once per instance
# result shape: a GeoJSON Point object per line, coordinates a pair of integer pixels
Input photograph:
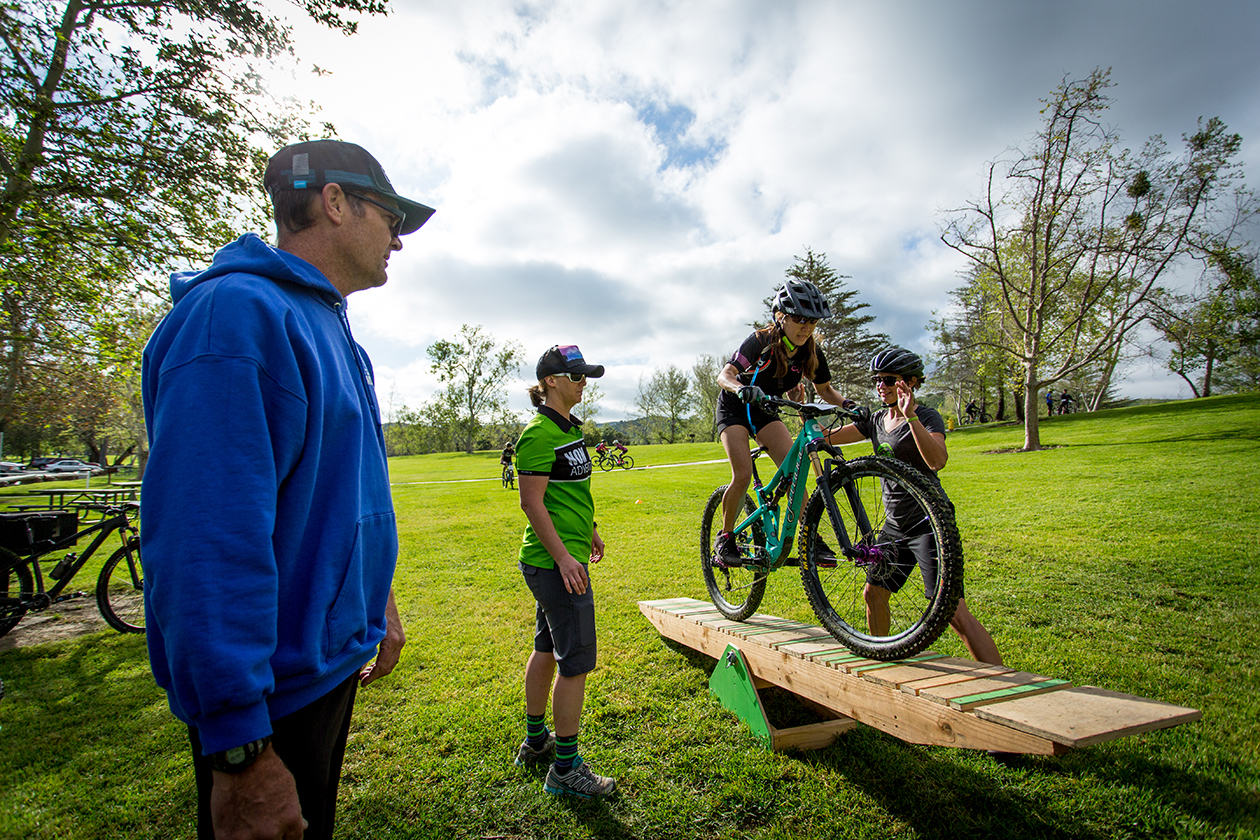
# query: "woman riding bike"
{"type": "Point", "coordinates": [771, 361]}
{"type": "Point", "coordinates": [915, 434]}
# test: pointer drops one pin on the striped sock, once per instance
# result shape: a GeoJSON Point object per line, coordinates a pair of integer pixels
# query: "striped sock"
{"type": "Point", "coordinates": [535, 730]}
{"type": "Point", "coordinates": [566, 753]}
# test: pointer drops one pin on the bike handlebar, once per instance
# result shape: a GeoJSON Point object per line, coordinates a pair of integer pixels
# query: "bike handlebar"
{"type": "Point", "coordinates": [819, 409]}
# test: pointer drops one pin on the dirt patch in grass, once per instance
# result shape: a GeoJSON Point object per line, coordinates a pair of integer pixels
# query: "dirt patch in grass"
{"type": "Point", "coordinates": [67, 620]}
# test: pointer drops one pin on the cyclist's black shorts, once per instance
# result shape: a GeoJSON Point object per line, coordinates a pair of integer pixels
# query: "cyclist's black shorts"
{"type": "Point", "coordinates": [918, 548]}
{"type": "Point", "coordinates": [564, 623]}
{"type": "Point", "coordinates": [731, 412]}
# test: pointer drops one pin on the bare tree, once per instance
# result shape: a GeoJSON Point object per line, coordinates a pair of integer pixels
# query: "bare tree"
{"type": "Point", "coordinates": [1076, 233]}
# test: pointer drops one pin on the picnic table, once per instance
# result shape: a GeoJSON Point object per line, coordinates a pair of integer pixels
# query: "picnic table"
{"type": "Point", "coordinates": [59, 497]}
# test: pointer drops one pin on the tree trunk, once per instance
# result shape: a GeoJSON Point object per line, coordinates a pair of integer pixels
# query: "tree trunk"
{"type": "Point", "coordinates": [1207, 368]}
{"type": "Point", "coordinates": [1032, 431]}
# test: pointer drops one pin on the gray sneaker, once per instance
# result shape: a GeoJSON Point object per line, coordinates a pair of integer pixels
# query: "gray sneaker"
{"type": "Point", "coordinates": [579, 781]}
{"type": "Point", "coordinates": [527, 755]}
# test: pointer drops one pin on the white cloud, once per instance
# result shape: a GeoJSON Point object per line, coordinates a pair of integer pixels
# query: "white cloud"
{"type": "Point", "coordinates": [635, 178]}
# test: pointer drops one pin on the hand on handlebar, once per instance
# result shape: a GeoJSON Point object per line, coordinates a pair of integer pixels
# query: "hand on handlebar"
{"type": "Point", "coordinates": [859, 412]}
{"type": "Point", "coordinates": [750, 394]}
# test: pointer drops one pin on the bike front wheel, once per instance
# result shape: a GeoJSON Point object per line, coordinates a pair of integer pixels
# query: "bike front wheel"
{"type": "Point", "coordinates": [893, 593]}
{"type": "Point", "coordinates": [17, 586]}
{"type": "Point", "coordinates": [605, 464]}
{"type": "Point", "coordinates": [120, 590]}
{"type": "Point", "coordinates": [735, 591]}
{"type": "Point", "coordinates": [627, 462]}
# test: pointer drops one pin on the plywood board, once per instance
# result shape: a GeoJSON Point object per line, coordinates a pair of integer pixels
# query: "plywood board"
{"type": "Point", "coordinates": [1084, 715]}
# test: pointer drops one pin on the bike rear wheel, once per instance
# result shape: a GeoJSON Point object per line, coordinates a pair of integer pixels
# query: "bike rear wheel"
{"type": "Point", "coordinates": [915, 560]}
{"type": "Point", "coordinates": [120, 590]}
{"type": "Point", "coordinates": [17, 585]}
{"type": "Point", "coordinates": [736, 592]}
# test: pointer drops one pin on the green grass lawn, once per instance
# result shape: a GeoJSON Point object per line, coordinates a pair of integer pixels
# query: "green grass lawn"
{"type": "Point", "coordinates": [1126, 557]}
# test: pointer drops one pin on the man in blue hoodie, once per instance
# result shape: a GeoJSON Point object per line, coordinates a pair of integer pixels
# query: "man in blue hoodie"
{"type": "Point", "coordinates": [269, 539]}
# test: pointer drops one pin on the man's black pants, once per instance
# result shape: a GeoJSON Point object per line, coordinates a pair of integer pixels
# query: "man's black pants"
{"type": "Point", "coordinates": [311, 742]}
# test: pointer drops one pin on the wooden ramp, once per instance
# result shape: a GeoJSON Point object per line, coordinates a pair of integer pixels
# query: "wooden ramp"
{"type": "Point", "coordinates": [927, 699]}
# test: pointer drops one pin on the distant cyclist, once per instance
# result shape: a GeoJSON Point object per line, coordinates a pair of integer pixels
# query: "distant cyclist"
{"type": "Point", "coordinates": [505, 464]}
{"type": "Point", "coordinates": [914, 434]}
{"type": "Point", "coordinates": [1049, 402]}
{"type": "Point", "coordinates": [771, 361]}
{"type": "Point", "coordinates": [972, 410]}
{"type": "Point", "coordinates": [1065, 402]}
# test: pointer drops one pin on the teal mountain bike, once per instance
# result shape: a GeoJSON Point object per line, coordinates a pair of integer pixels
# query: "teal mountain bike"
{"type": "Point", "coordinates": [849, 539]}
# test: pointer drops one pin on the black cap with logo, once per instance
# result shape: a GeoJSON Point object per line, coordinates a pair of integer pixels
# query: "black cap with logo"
{"type": "Point", "coordinates": [316, 163]}
{"type": "Point", "coordinates": [566, 359]}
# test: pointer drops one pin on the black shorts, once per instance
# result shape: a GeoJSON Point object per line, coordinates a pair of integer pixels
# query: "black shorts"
{"type": "Point", "coordinates": [564, 624]}
{"type": "Point", "coordinates": [732, 412]}
{"type": "Point", "coordinates": [910, 550]}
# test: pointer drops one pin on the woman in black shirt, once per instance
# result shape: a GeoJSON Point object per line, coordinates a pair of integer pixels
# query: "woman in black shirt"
{"type": "Point", "coordinates": [771, 361]}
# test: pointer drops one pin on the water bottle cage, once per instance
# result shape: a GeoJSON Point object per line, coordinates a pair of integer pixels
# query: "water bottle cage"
{"type": "Point", "coordinates": [63, 567]}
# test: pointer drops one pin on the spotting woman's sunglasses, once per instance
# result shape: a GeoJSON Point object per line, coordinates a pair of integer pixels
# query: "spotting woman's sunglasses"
{"type": "Point", "coordinates": [574, 377]}
{"type": "Point", "coordinates": [888, 381]}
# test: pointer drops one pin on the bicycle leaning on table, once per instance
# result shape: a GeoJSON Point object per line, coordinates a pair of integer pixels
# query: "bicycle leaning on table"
{"type": "Point", "coordinates": [848, 540]}
{"type": "Point", "coordinates": [119, 587]}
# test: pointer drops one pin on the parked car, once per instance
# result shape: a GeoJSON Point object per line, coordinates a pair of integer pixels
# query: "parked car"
{"type": "Point", "coordinates": [71, 465]}
{"type": "Point", "coordinates": [10, 467]}
{"type": "Point", "coordinates": [39, 463]}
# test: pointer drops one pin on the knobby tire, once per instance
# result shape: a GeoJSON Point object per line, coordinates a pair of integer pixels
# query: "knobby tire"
{"type": "Point", "coordinates": [120, 590]}
{"type": "Point", "coordinates": [736, 592]}
{"type": "Point", "coordinates": [921, 608]}
{"type": "Point", "coordinates": [17, 585]}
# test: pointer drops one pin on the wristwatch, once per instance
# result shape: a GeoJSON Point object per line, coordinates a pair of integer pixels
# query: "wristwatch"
{"type": "Point", "coordinates": [238, 758]}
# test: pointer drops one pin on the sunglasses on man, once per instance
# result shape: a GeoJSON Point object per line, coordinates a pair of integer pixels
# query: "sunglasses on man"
{"type": "Point", "coordinates": [395, 227]}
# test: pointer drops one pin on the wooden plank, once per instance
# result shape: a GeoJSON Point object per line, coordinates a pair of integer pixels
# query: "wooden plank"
{"type": "Point", "coordinates": [906, 671]}
{"type": "Point", "coordinates": [945, 693]}
{"type": "Point", "coordinates": [949, 675]}
{"type": "Point", "coordinates": [811, 736]}
{"type": "Point", "coordinates": [1084, 715]}
{"type": "Point", "coordinates": [810, 647]}
{"type": "Point", "coordinates": [897, 713]}
{"type": "Point", "coordinates": [1002, 695]}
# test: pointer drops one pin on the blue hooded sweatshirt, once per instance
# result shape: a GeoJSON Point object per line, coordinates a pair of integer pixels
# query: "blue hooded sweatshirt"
{"type": "Point", "coordinates": [269, 539]}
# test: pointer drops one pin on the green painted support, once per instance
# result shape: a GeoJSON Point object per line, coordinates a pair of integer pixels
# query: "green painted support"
{"type": "Point", "coordinates": [732, 684]}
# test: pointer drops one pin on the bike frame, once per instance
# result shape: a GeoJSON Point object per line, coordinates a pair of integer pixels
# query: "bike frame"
{"type": "Point", "coordinates": [105, 527]}
{"type": "Point", "coordinates": [789, 480]}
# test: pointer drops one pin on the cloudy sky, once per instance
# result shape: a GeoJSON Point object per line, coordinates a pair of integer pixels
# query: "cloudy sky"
{"type": "Point", "coordinates": [634, 177]}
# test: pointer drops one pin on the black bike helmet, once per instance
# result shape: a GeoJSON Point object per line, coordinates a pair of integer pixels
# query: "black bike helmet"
{"type": "Point", "coordinates": [802, 299]}
{"type": "Point", "coordinates": [898, 360]}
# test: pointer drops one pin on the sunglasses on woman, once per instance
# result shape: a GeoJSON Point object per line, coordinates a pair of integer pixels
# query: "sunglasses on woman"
{"type": "Point", "coordinates": [888, 381]}
{"type": "Point", "coordinates": [804, 322]}
{"type": "Point", "coordinates": [574, 377]}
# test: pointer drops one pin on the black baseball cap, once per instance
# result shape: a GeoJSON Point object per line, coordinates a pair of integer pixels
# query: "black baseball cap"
{"type": "Point", "coordinates": [316, 163]}
{"type": "Point", "coordinates": [566, 359]}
